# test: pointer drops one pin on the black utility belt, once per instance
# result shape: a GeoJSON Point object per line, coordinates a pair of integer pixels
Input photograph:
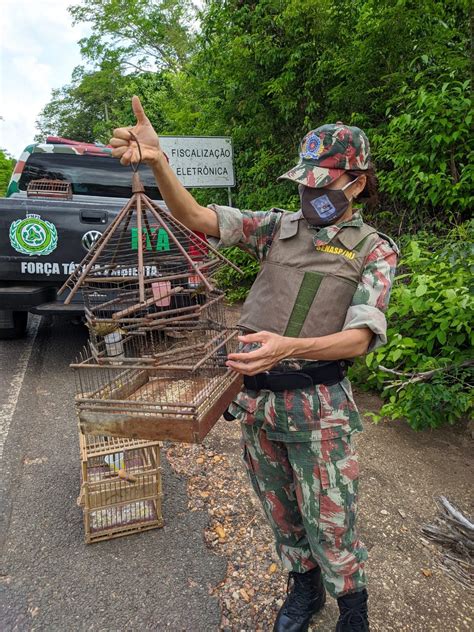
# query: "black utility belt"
{"type": "Point", "coordinates": [327, 373]}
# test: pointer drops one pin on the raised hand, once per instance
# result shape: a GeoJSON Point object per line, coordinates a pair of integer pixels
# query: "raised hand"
{"type": "Point", "coordinates": [125, 148]}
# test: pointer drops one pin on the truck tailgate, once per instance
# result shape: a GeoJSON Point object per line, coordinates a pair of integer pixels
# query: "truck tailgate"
{"type": "Point", "coordinates": [43, 240]}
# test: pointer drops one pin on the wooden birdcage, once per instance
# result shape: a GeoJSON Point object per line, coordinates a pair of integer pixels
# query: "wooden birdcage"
{"type": "Point", "coordinates": [154, 367]}
{"type": "Point", "coordinates": [121, 489]}
{"type": "Point", "coordinates": [45, 188]}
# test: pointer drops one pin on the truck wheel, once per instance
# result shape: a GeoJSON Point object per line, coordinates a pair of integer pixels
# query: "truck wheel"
{"type": "Point", "coordinates": [12, 324]}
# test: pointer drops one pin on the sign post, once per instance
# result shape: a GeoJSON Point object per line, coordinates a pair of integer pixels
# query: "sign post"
{"type": "Point", "coordinates": [201, 161]}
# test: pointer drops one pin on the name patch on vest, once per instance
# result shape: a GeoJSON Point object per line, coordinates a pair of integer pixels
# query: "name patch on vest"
{"type": "Point", "coordinates": [334, 250]}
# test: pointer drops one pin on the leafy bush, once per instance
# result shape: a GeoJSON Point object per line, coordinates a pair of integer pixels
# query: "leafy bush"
{"type": "Point", "coordinates": [430, 317]}
{"type": "Point", "coordinates": [237, 286]}
{"type": "Point", "coordinates": [426, 152]}
{"type": "Point", "coordinates": [7, 164]}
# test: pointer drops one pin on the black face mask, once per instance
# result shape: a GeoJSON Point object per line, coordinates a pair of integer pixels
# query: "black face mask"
{"type": "Point", "coordinates": [322, 207]}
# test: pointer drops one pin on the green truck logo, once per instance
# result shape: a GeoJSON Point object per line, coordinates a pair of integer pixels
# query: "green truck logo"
{"type": "Point", "coordinates": [33, 236]}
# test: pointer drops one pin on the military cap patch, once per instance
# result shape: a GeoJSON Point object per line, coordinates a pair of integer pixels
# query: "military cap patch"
{"type": "Point", "coordinates": [311, 146]}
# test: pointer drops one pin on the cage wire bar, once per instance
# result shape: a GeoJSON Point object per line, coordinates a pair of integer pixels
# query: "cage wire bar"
{"type": "Point", "coordinates": [154, 367]}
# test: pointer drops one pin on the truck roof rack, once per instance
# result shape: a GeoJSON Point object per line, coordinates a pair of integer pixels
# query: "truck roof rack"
{"type": "Point", "coordinates": [60, 140]}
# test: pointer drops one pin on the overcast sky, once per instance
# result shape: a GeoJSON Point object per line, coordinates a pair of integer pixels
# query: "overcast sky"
{"type": "Point", "coordinates": [38, 51]}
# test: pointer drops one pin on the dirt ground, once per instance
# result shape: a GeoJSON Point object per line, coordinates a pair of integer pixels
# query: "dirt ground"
{"type": "Point", "coordinates": [401, 472]}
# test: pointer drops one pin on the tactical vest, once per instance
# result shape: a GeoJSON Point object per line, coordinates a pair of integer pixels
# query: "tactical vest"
{"type": "Point", "coordinates": [305, 286]}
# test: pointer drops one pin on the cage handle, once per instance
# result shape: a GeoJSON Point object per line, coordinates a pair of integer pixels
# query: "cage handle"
{"type": "Point", "coordinates": [134, 165]}
{"type": "Point", "coordinates": [137, 185]}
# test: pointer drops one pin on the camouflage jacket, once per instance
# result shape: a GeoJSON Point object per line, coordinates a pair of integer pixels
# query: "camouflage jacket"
{"type": "Point", "coordinates": [320, 412]}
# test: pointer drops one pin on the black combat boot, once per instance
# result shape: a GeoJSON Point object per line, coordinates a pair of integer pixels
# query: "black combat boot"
{"type": "Point", "coordinates": [353, 609]}
{"type": "Point", "coordinates": [306, 596]}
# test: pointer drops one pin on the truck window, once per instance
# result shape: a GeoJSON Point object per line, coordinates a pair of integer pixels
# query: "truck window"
{"type": "Point", "coordinates": [89, 175]}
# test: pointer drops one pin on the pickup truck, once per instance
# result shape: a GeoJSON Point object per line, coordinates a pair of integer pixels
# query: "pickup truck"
{"type": "Point", "coordinates": [62, 196]}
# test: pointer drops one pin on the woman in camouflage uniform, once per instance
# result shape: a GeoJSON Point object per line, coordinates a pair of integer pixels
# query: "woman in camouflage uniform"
{"type": "Point", "coordinates": [318, 301]}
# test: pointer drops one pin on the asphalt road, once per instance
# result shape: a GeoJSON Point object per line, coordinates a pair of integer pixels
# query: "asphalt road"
{"type": "Point", "coordinates": [50, 579]}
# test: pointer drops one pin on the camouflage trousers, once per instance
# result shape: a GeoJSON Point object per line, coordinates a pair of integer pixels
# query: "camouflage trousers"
{"type": "Point", "coordinates": [308, 491]}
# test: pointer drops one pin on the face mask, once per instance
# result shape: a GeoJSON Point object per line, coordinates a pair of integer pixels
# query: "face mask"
{"type": "Point", "coordinates": [321, 207]}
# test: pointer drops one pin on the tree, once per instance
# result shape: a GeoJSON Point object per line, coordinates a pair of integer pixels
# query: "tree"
{"type": "Point", "coordinates": [141, 34]}
{"type": "Point", "coordinates": [96, 102]}
{"type": "Point", "coordinates": [7, 164]}
{"type": "Point", "coordinates": [266, 72]}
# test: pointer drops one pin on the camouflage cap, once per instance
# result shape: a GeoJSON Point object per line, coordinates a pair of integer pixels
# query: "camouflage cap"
{"type": "Point", "coordinates": [328, 151]}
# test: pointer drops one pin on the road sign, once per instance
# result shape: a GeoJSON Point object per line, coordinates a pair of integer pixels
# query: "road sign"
{"type": "Point", "coordinates": [201, 161]}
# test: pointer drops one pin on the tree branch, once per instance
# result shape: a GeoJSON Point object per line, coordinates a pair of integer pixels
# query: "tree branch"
{"type": "Point", "coordinates": [420, 376]}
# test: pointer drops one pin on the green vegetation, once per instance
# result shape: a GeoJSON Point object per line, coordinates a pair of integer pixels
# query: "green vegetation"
{"type": "Point", "coordinates": [430, 337]}
{"type": "Point", "coordinates": [265, 73]}
{"type": "Point", "coordinates": [7, 164]}
{"type": "Point", "coordinates": [428, 152]}
{"type": "Point", "coordinates": [237, 286]}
